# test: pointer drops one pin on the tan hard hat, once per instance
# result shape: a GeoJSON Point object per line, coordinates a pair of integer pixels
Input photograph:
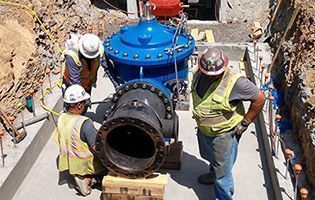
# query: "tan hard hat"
{"type": "Point", "coordinates": [213, 61]}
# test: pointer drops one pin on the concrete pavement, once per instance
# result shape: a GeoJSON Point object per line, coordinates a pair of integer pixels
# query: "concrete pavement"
{"type": "Point", "coordinates": [44, 182]}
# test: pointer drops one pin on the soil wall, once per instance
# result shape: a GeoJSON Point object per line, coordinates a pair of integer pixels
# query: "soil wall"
{"type": "Point", "coordinates": [294, 73]}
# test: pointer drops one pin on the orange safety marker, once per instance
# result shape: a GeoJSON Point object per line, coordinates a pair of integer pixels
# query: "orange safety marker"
{"type": "Point", "coordinates": [278, 118]}
{"type": "Point", "coordinates": [304, 193]}
{"type": "Point", "coordinates": [1, 146]}
{"type": "Point", "coordinates": [266, 77]}
{"type": "Point", "coordinates": [297, 169]}
{"type": "Point", "coordinates": [288, 154]}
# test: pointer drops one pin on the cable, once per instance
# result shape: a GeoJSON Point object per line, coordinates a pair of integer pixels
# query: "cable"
{"type": "Point", "coordinates": [175, 39]}
{"type": "Point", "coordinates": [45, 93]}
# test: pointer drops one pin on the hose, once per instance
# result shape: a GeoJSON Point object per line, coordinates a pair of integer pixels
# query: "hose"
{"type": "Point", "coordinates": [44, 94]}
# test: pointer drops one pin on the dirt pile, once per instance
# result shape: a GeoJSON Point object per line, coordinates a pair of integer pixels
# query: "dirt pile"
{"type": "Point", "coordinates": [25, 49]}
{"type": "Point", "coordinates": [294, 72]}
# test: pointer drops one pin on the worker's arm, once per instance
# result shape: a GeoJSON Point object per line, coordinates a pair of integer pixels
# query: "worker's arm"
{"type": "Point", "coordinates": [88, 134]}
{"type": "Point", "coordinates": [255, 107]}
{"type": "Point", "coordinates": [73, 70]}
{"type": "Point", "coordinates": [245, 90]}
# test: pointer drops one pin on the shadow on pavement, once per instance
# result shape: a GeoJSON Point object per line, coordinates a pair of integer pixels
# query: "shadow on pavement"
{"type": "Point", "coordinates": [191, 168]}
{"type": "Point", "coordinates": [98, 115]}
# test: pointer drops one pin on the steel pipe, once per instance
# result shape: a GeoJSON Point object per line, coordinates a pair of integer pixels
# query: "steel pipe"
{"type": "Point", "coordinates": [130, 142]}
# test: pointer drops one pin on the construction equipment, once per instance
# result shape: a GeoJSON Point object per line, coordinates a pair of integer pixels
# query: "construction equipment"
{"type": "Point", "coordinates": [166, 8]}
{"type": "Point", "coordinates": [151, 69]}
{"type": "Point", "coordinates": [15, 134]}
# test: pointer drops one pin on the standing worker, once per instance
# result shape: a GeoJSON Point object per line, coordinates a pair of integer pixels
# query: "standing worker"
{"type": "Point", "coordinates": [217, 92]}
{"type": "Point", "coordinates": [75, 135]}
{"type": "Point", "coordinates": [83, 57]}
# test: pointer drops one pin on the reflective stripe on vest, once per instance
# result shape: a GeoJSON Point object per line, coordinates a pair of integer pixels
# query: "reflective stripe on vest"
{"type": "Point", "coordinates": [213, 112]}
{"type": "Point", "coordinates": [88, 74]}
{"type": "Point", "coordinates": [74, 154]}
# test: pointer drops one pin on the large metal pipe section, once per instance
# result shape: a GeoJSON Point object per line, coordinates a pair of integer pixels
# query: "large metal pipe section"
{"type": "Point", "coordinates": [131, 142]}
{"type": "Point", "coordinates": [141, 114]}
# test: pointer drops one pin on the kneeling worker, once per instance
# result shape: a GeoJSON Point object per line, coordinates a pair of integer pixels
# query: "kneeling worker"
{"type": "Point", "coordinates": [75, 135]}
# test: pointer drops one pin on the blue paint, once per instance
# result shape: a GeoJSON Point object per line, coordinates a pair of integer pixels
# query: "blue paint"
{"type": "Point", "coordinates": [145, 52]}
{"type": "Point", "coordinates": [278, 103]}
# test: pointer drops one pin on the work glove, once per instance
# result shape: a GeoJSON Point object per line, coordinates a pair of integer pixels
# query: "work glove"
{"type": "Point", "coordinates": [240, 129]}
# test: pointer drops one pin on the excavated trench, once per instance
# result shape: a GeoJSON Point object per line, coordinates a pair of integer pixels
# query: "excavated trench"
{"type": "Point", "coordinates": [293, 36]}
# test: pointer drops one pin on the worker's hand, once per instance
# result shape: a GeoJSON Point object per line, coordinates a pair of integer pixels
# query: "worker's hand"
{"type": "Point", "coordinates": [240, 129]}
{"type": "Point", "coordinates": [88, 103]}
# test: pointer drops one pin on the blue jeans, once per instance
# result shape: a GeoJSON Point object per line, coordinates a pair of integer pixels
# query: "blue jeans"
{"type": "Point", "coordinates": [221, 152]}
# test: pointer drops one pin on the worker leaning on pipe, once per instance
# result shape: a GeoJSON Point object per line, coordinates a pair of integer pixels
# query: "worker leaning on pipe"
{"type": "Point", "coordinates": [218, 92]}
{"type": "Point", "coordinates": [83, 57]}
{"type": "Point", "coordinates": [75, 135]}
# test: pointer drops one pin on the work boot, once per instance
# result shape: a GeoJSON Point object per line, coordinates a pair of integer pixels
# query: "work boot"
{"type": "Point", "coordinates": [83, 184]}
{"type": "Point", "coordinates": [205, 179]}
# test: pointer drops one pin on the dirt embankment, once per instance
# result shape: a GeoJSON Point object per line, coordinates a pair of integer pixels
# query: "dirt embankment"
{"type": "Point", "coordinates": [294, 72]}
{"type": "Point", "coordinates": [25, 49]}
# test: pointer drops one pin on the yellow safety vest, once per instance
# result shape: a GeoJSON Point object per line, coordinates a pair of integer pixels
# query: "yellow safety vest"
{"type": "Point", "coordinates": [88, 75]}
{"type": "Point", "coordinates": [213, 113]}
{"type": "Point", "coordinates": [74, 154]}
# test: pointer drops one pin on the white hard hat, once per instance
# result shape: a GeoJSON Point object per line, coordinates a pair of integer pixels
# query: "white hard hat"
{"type": "Point", "coordinates": [90, 45]}
{"type": "Point", "coordinates": [75, 94]}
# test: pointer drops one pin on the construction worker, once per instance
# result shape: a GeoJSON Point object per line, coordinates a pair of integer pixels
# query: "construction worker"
{"type": "Point", "coordinates": [83, 57]}
{"type": "Point", "coordinates": [75, 135]}
{"type": "Point", "coordinates": [218, 91]}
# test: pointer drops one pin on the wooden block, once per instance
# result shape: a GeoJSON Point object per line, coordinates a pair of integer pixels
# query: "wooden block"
{"type": "Point", "coordinates": [209, 36]}
{"type": "Point", "coordinates": [201, 36]}
{"type": "Point", "coordinates": [257, 30]}
{"type": "Point", "coordinates": [174, 157]}
{"type": "Point", "coordinates": [128, 197]}
{"type": "Point", "coordinates": [194, 32]}
{"type": "Point", "coordinates": [147, 187]}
